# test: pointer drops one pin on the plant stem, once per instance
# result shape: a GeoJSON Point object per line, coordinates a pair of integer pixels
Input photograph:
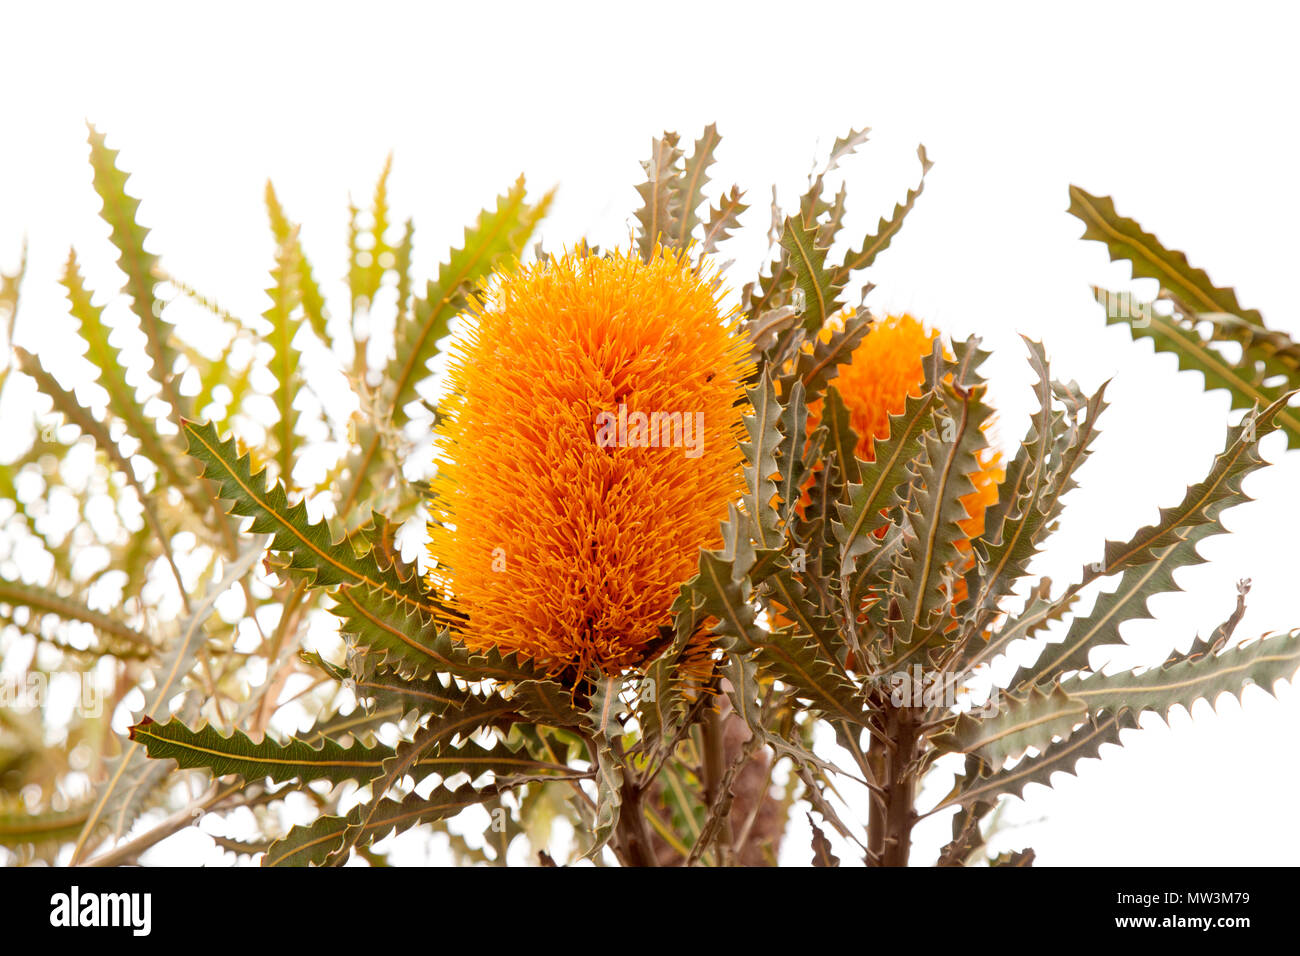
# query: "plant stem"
{"type": "Point", "coordinates": [636, 846]}
{"type": "Point", "coordinates": [714, 757]}
{"type": "Point", "coordinates": [894, 831]}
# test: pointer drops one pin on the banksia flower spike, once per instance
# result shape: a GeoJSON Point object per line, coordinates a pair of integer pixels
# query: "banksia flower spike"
{"type": "Point", "coordinates": [883, 371]}
{"type": "Point", "coordinates": [587, 452]}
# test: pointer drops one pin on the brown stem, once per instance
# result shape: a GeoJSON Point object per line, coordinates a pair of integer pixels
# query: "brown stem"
{"type": "Point", "coordinates": [876, 761]}
{"type": "Point", "coordinates": [635, 843]}
{"type": "Point", "coordinates": [900, 788]}
{"type": "Point", "coordinates": [714, 760]}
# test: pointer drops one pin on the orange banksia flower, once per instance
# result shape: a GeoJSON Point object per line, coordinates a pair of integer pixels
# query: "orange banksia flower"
{"type": "Point", "coordinates": [883, 371]}
{"type": "Point", "coordinates": [587, 451]}
{"type": "Point", "coordinates": [886, 367]}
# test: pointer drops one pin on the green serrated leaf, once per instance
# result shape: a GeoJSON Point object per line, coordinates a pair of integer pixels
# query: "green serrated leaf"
{"type": "Point", "coordinates": [1014, 527]}
{"type": "Point", "coordinates": [816, 368]}
{"type": "Point", "coordinates": [658, 193]}
{"type": "Point", "coordinates": [689, 187]}
{"type": "Point", "coordinates": [808, 261]}
{"type": "Point", "coordinates": [546, 702]}
{"type": "Point", "coordinates": [765, 442]}
{"type": "Point", "coordinates": [314, 844]}
{"type": "Point", "coordinates": [724, 218]}
{"type": "Point", "coordinates": [35, 829]}
{"type": "Point", "coordinates": [138, 264]}
{"type": "Point", "coordinates": [602, 718]}
{"type": "Point", "coordinates": [1149, 559]}
{"type": "Point", "coordinates": [314, 557]}
{"type": "Point", "coordinates": [1195, 353]}
{"type": "Point", "coordinates": [879, 241]}
{"type": "Point", "coordinates": [499, 235]}
{"type": "Point", "coordinates": [1060, 757]}
{"type": "Point", "coordinates": [877, 487]}
{"type": "Point", "coordinates": [1125, 239]}
{"type": "Point", "coordinates": [1046, 714]}
{"type": "Point", "coordinates": [932, 519]}
{"type": "Point", "coordinates": [237, 754]}
{"type": "Point", "coordinates": [286, 319]}
{"type": "Point", "coordinates": [43, 601]}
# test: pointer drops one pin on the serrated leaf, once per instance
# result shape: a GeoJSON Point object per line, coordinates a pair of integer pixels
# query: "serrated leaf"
{"type": "Point", "coordinates": [409, 759]}
{"type": "Point", "coordinates": [658, 193]}
{"type": "Point", "coordinates": [286, 234]}
{"type": "Point", "coordinates": [400, 635]}
{"type": "Point", "coordinates": [689, 187]}
{"type": "Point", "coordinates": [785, 589]}
{"type": "Point", "coordinates": [138, 264]}
{"type": "Point", "coordinates": [724, 218]}
{"type": "Point", "coordinates": [508, 767]}
{"type": "Point", "coordinates": [1014, 858]}
{"type": "Point", "coordinates": [841, 438]}
{"type": "Point", "coordinates": [723, 597]}
{"type": "Point", "coordinates": [237, 754]}
{"type": "Point", "coordinates": [816, 368]}
{"type": "Point", "coordinates": [1125, 239]}
{"type": "Point", "coordinates": [808, 261]}
{"type": "Point", "coordinates": [107, 359]}
{"type": "Point", "coordinates": [1014, 527]}
{"type": "Point", "coordinates": [797, 660]}
{"type": "Point", "coordinates": [1196, 354]}
{"type": "Point", "coordinates": [371, 276]}
{"type": "Point", "coordinates": [546, 702]}
{"type": "Point", "coordinates": [793, 467]}
{"type": "Point", "coordinates": [314, 844]}
{"type": "Point", "coordinates": [1149, 559]}
{"type": "Point", "coordinates": [152, 532]}
{"type": "Point", "coordinates": [286, 319]}
{"type": "Point", "coordinates": [877, 242]}
{"type": "Point", "coordinates": [602, 719]}
{"type": "Point", "coordinates": [35, 829]}
{"type": "Point", "coordinates": [879, 480]}
{"type": "Point", "coordinates": [425, 695]}
{"type": "Point", "coordinates": [661, 714]}
{"type": "Point", "coordinates": [1045, 714]}
{"type": "Point", "coordinates": [1263, 662]}
{"type": "Point", "coordinates": [846, 146]}
{"type": "Point", "coordinates": [765, 442]}
{"type": "Point", "coordinates": [1060, 757]}
{"type": "Point", "coordinates": [498, 235]}
{"type": "Point", "coordinates": [1031, 720]}
{"type": "Point", "coordinates": [402, 266]}
{"type": "Point", "coordinates": [314, 556]}
{"type": "Point", "coordinates": [1074, 448]}
{"type": "Point", "coordinates": [822, 855]}
{"type": "Point", "coordinates": [932, 519]}
{"type": "Point", "coordinates": [741, 671]}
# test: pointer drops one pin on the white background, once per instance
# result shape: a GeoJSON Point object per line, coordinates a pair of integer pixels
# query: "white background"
{"type": "Point", "coordinates": [1185, 114]}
